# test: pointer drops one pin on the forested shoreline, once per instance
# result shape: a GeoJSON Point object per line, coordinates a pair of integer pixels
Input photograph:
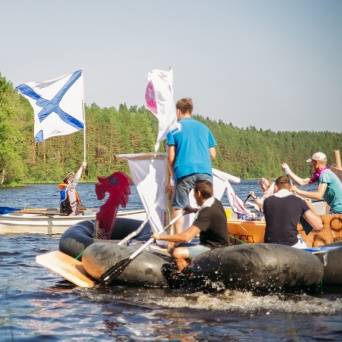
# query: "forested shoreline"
{"type": "Point", "coordinates": [244, 152]}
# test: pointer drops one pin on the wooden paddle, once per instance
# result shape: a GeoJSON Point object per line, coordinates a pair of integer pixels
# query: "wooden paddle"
{"type": "Point", "coordinates": [72, 269]}
{"type": "Point", "coordinates": [114, 271]}
{"type": "Point", "coordinates": [67, 267]}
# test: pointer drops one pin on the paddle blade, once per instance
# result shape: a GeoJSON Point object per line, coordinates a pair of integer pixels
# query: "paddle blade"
{"type": "Point", "coordinates": [66, 266]}
{"type": "Point", "coordinates": [113, 272]}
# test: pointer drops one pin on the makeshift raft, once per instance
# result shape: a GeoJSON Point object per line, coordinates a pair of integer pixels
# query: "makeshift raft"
{"type": "Point", "coordinates": [257, 267]}
{"type": "Point", "coordinates": [254, 231]}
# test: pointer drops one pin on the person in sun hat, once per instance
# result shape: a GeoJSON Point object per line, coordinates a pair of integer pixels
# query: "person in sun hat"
{"type": "Point", "coordinates": [267, 188]}
{"type": "Point", "coordinates": [70, 202]}
{"type": "Point", "coordinates": [329, 185]}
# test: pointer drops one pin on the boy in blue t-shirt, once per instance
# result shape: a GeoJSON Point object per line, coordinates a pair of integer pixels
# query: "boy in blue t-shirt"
{"type": "Point", "coordinates": [191, 147]}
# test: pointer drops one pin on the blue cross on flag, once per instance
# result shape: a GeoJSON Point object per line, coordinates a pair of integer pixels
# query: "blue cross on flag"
{"type": "Point", "coordinates": [57, 105]}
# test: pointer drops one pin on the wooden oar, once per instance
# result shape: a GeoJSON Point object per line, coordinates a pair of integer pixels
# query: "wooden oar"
{"type": "Point", "coordinates": [72, 269]}
{"type": "Point", "coordinates": [67, 267]}
{"type": "Point", "coordinates": [114, 271]}
{"type": "Point", "coordinates": [250, 194]}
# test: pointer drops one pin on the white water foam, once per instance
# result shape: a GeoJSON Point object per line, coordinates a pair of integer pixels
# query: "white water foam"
{"type": "Point", "coordinates": [246, 302]}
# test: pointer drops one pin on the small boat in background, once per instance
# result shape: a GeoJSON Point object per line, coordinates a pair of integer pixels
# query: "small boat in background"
{"type": "Point", "coordinates": [50, 221]}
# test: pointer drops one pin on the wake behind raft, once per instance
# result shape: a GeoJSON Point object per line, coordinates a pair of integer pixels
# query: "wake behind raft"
{"type": "Point", "coordinates": [255, 267]}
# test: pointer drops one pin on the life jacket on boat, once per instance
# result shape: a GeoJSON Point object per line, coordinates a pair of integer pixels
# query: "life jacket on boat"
{"type": "Point", "coordinates": [66, 207]}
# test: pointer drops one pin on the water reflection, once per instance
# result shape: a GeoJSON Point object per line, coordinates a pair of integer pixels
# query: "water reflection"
{"type": "Point", "coordinates": [37, 305]}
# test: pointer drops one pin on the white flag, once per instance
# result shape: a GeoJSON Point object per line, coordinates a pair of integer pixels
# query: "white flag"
{"type": "Point", "coordinates": [159, 100]}
{"type": "Point", "coordinates": [148, 171]}
{"type": "Point", "coordinates": [57, 105]}
{"type": "Point", "coordinates": [221, 184]}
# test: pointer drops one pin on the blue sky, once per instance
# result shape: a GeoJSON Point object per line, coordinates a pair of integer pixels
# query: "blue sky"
{"type": "Point", "coordinates": [267, 63]}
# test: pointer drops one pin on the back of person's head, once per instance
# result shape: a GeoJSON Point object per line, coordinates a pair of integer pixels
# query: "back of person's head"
{"type": "Point", "coordinates": [185, 105]}
{"type": "Point", "coordinates": [204, 187]}
{"type": "Point", "coordinates": [283, 182]}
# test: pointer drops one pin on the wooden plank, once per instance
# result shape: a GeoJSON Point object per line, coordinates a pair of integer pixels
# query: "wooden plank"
{"type": "Point", "coordinates": [337, 171]}
{"type": "Point", "coordinates": [67, 267]}
{"type": "Point", "coordinates": [247, 231]}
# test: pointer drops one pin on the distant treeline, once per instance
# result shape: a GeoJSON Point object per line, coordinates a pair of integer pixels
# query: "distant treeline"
{"type": "Point", "coordinates": [247, 153]}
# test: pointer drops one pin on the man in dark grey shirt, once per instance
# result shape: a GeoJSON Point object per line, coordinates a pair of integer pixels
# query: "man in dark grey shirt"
{"type": "Point", "coordinates": [283, 211]}
{"type": "Point", "coordinates": [210, 223]}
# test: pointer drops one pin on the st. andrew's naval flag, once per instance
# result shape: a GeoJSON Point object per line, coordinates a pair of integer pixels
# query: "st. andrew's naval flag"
{"type": "Point", "coordinates": [57, 105]}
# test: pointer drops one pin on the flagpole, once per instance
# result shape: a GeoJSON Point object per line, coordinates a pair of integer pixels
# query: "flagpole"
{"type": "Point", "coordinates": [84, 135]}
{"type": "Point", "coordinates": [85, 128]}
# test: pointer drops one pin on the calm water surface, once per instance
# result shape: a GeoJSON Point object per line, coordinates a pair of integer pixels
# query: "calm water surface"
{"type": "Point", "coordinates": [36, 305]}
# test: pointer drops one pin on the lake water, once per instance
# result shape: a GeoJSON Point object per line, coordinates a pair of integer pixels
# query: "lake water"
{"type": "Point", "coordinates": [36, 305]}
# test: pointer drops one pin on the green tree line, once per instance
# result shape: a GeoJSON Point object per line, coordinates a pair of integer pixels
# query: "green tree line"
{"type": "Point", "coordinates": [244, 152]}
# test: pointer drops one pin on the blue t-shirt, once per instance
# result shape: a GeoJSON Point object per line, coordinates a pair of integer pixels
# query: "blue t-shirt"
{"type": "Point", "coordinates": [192, 141]}
{"type": "Point", "coordinates": [333, 193]}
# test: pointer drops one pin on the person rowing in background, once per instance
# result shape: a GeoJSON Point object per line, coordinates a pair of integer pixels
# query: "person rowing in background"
{"type": "Point", "coordinates": [283, 212]}
{"type": "Point", "coordinates": [267, 188]}
{"type": "Point", "coordinates": [329, 185]}
{"type": "Point", "coordinates": [210, 223]}
{"type": "Point", "coordinates": [70, 202]}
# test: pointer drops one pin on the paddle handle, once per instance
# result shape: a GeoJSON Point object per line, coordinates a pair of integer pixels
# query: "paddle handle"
{"type": "Point", "coordinates": [151, 240]}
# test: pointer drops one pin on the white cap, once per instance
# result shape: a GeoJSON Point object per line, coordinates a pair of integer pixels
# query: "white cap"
{"type": "Point", "coordinates": [317, 156]}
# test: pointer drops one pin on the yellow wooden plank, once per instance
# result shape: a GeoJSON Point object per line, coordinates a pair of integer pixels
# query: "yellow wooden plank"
{"type": "Point", "coordinates": [65, 266]}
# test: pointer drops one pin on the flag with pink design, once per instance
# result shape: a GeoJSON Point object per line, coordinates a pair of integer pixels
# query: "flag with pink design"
{"type": "Point", "coordinates": [159, 100]}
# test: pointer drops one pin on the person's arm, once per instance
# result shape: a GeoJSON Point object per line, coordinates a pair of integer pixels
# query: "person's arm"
{"type": "Point", "coordinates": [212, 152]}
{"type": "Point", "coordinates": [211, 145]}
{"type": "Point", "coordinates": [317, 195]}
{"type": "Point", "coordinates": [314, 220]}
{"type": "Point", "coordinates": [171, 156]}
{"type": "Point", "coordinates": [79, 173]}
{"type": "Point", "coordinates": [184, 236]}
{"type": "Point", "coordinates": [292, 175]}
{"type": "Point", "coordinates": [259, 201]}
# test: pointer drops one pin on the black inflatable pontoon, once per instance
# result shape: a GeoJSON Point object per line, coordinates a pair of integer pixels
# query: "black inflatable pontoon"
{"type": "Point", "coordinates": [255, 267]}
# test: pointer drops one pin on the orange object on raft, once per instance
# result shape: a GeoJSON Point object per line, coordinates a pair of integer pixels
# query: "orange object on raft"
{"type": "Point", "coordinates": [254, 231]}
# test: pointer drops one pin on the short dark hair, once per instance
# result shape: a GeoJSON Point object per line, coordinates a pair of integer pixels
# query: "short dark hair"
{"type": "Point", "coordinates": [281, 181]}
{"type": "Point", "coordinates": [204, 187]}
{"type": "Point", "coordinates": [185, 105]}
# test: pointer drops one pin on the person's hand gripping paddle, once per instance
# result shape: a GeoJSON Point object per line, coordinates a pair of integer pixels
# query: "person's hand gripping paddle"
{"type": "Point", "coordinates": [114, 271]}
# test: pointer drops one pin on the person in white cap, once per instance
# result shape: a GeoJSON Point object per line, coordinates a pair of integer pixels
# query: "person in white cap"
{"type": "Point", "coordinates": [329, 185]}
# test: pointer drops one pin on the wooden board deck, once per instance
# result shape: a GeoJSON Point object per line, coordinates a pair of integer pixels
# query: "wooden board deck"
{"type": "Point", "coordinates": [247, 231]}
{"type": "Point", "coordinates": [254, 231]}
{"type": "Point", "coordinates": [67, 267]}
